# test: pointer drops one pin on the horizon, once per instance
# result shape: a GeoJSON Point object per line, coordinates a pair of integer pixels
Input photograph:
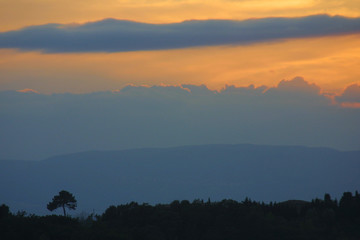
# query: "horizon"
{"type": "Point", "coordinates": [179, 147]}
{"type": "Point", "coordinates": [160, 175]}
{"type": "Point", "coordinates": [185, 98]}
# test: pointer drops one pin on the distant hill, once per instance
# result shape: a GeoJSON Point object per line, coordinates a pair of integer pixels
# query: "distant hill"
{"type": "Point", "coordinates": [160, 175]}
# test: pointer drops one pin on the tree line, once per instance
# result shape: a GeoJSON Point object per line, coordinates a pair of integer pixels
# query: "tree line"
{"type": "Point", "coordinates": [324, 218]}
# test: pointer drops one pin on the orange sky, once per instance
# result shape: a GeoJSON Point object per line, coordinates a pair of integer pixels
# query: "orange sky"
{"type": "Point", "coordinates": [19, 13]}
{"type": "Point", "coordinates": [330, 62]}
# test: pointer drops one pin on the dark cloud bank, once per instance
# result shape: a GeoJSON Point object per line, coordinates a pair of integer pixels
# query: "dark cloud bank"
{"type": "Point", "coordinates": [35, 126]}
{"type": "Point", "coordinates": [112, 35]}
{"type": "Point", "coordinates": [350, 95]}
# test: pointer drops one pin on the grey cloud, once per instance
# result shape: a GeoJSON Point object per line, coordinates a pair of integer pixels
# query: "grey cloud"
{"type": "Point", "coordinates": [35, 126]}
{"type": "Point", "coordinates": [350, 95]}
{"type": "Point", "coordinates": [298, 84]}
{"type": "Point", "coordinates": [169, 91]}
{"type": "Point", "coordinates": [250, 90]}
{"type": "Point", "coordinates": [112, 35]}
{"type": "Point", "coordinates": [297, 91]}
{"type": "Point", "coordinates": [199, 90]}
{"type": "Point", "coordinates": [154, 90]}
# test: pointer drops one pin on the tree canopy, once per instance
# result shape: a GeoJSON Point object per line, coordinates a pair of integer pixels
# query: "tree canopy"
{"type": "Point", "coordinates": [63, 200]}
{"type": "Point", "coordinates": [320, 219]}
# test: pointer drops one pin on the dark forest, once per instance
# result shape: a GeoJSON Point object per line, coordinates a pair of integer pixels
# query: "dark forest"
{"type": "Point", "coordinates": [325, 218]}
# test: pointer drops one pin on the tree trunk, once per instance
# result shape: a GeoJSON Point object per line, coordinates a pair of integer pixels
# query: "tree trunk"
{"type": "Point", "coordinates": [64, 210]}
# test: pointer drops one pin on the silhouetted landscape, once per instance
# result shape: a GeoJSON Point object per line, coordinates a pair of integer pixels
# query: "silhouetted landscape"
{"type": "Point", "coordinates": [131, 194]}
{"type": "Point", "coordinates": [160, 175]}
{"type": "Point", "coordinates": [227, 219]}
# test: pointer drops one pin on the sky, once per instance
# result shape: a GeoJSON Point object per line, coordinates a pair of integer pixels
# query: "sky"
{"type": "Point", "coordinates": [58, 50]}
{"type": "Point", "coordinates": [20, 13]}
{"type": "Point", "coordinates": [319, 50]}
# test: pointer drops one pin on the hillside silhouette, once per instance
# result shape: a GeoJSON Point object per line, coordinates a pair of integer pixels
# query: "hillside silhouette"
{"type": "Point", "coordinates": [103, 178]}
{"type": "Point", "coordinates": [324, 218]}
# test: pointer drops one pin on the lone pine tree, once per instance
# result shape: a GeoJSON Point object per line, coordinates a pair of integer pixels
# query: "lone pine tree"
{"type": "Point", "coordinates": [64, 200]}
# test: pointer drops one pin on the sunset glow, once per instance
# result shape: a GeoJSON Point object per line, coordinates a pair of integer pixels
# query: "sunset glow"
{"type": "Point", "coordinates": [330, 62]}
{"type": "Point", "coordinates": [164, 101]}
{"type": "Point", "coordinates": [20, 13]}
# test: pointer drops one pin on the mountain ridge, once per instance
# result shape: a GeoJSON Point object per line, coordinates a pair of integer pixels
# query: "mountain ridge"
{"type": "Point", "coordinates": [99, 179]}
{"type": "Point", "coordinates": [329, 149]}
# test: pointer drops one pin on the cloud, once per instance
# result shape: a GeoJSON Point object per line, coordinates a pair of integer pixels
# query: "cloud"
{"type": "Point", "coordinates": [350, 98]}
{"type": "Point", "coordinates": [112, 35]}
{"type": "Point", "coordinates": [290, 88]}
{"type": "Point", "coordinates": [37, 125]}
{"type": "Point", "coordinates": [297, 91]}
{"type": "Point", "coordinates": [250, 90]}
{"type": "Point", "coordinates": [298, 84]}
{"type": "Point", "coordinates": [28, 90]}
{"type": "Point", "coordinates": [159, 91]}
{"type": "Point", "coordinates": [351, 94]}
{"type": "Point", "coordinates": [167, 90]}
